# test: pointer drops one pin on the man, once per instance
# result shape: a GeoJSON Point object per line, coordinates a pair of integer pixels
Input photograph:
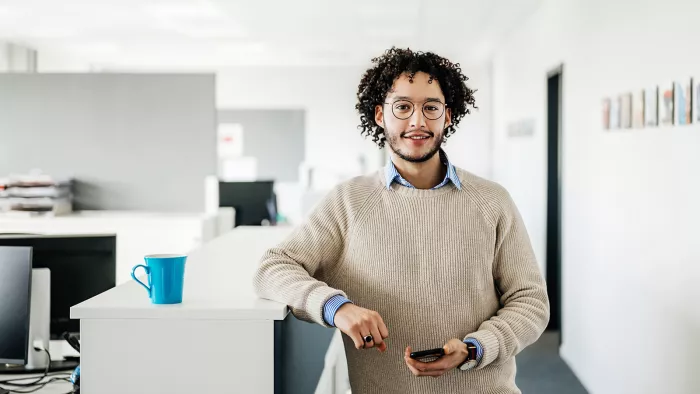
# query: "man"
{"type": "Point", "coordinates": [419, 255]}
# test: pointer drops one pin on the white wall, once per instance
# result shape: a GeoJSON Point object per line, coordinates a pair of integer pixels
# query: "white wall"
{"type": "Point", "coordinates": [4, 61]}
{"type": "Point", "coordinates": [471, 146]}
{"type": "Point", "coordinates": [630, 199]}
{"type": "Point", "coordinates": [327, 94]}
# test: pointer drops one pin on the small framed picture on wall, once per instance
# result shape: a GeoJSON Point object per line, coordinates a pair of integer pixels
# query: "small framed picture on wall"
{"type": "Point", "coordinates": [626, 111]}
{"type": "Point", "coordinates": [666, 105]}
{"type": "Point", "coordinates": [638, 109]}
{"type": "Point", "coordinates": [696, 100]}
{"type": "Point", "coordinates": [606, 114]}
{"type": "Point", "coordinates": [683, 102]}
{"type": "Point", "coordinates": [651, 107]}
{"type": "Point", "coordinates": [615, 113]}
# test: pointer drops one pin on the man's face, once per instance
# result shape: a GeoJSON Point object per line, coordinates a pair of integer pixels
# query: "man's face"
{"type": "Point", "coordinates": [414, 117]}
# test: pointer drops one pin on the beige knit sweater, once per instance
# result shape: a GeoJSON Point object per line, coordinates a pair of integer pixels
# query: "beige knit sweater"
{"type": "Point", "coordinates": [436, 264]}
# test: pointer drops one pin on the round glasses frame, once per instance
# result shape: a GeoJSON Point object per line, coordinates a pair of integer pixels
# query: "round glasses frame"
{"type": "Point", "coordinates": [413, 109]}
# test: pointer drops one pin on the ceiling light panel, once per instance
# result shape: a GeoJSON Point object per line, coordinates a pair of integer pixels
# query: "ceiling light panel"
{"type": "Point", "coordinates": [196, 19]}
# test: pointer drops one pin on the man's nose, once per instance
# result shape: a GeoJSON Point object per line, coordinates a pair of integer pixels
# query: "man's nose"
{"type": "Point", "coordinates": [418, 120]}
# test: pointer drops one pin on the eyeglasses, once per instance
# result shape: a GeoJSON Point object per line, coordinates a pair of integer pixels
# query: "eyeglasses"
{"type": "Point", "coordinates": [403, 109]}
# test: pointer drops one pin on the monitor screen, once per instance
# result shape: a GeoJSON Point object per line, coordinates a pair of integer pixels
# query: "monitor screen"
{"type": "Point", "coordinates": [15, 303]}
{"type": "Point", "coordinates": [255, 202]}
{"type": "Point", "coordinates": [81, 267]}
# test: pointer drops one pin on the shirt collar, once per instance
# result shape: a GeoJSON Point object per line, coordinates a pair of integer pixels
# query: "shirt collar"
{"type": "Point", "coordinates": [392, 174]}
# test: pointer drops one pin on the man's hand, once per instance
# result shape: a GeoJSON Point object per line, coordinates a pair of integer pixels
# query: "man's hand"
{"type": "Point", "coordinates": [357, 322]}
{"type": "Point", "coordinates": [455, 354]}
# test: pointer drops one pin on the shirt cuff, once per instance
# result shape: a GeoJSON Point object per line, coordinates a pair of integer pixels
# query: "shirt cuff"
{"type": "Point", "coordinates": [331, 307]}
{"type": "Point", "coordinates": [479, 349]}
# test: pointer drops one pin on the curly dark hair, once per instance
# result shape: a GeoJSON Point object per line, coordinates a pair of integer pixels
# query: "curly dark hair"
{"type": "Point", "coordinates": [377, 81]}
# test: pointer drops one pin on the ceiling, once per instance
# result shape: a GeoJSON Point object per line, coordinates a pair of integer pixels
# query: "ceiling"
{"type": "Point", "coordinates": [220, 33]}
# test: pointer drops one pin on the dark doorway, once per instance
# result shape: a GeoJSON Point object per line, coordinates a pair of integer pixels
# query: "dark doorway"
{"type": "Point", "coordinates": [554, 172]}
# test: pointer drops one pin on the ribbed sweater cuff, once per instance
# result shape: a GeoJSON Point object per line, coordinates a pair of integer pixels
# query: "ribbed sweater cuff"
{"type": "Point", "coordinates": [317, 300]}
{"type": "Point", "coordinates": [489, 342]}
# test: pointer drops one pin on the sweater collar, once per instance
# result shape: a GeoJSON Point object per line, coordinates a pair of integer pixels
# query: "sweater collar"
{"type": "Point", "coordinates": [392, 174]}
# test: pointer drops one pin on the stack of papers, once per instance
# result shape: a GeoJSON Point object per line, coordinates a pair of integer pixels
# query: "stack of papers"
{"type": "Point", "coordinates": [4, 203]}
{"type": "Point", "coordinates": [35, 193]}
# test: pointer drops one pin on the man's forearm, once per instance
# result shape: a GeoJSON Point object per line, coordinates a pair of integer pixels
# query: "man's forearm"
{"type": "Point", "coordinates": [286, 272]}
{"type": "Point", "coordinates": [281, 279]}
{"type": "Point", "coordinates": [518, 324]}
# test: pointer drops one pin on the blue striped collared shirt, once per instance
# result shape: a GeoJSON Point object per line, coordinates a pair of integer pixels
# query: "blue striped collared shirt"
{"type": "Point", "coordinates": [391, 174]}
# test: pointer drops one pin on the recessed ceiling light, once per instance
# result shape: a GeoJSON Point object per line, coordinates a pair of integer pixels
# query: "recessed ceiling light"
{"type": "Point", "coordinates": [397, 8]}
{"type": "Point", "coordinates": [197, 20]}
{"type": "Point", "coordinates": [212, 32]}
{"type": "Point", "coordinates": [243, 48]}
{"type": "Point", "coordinates": [210, 29]}
{"type": "Point", "coordinates": [184, 11]}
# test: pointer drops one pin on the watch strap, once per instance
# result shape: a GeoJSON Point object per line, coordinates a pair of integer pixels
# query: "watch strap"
{"type": "Point", "coordinates": [474, 354]}
{"type": "Point", "coordinates": [479, 348]}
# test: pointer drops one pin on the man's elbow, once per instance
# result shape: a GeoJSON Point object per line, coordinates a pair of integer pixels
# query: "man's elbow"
{"type": "Point", "coordinates": [545, 311]}
{"type": "Point", "coordinates": [258, 287]}
{"type": "Point", "coordinates": [547, 315]}
{"type": "Point", "coordinates": [537, 302]}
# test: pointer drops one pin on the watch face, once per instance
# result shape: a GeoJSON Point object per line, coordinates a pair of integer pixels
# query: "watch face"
{"type": "Point", "coordinates": [468, 365]}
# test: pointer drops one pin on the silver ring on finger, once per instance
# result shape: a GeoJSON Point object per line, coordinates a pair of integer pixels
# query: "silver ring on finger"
{"type": "Point", "coordinates": [368, 338]}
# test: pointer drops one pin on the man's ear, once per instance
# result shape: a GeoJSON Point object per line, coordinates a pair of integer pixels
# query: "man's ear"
{"type": "Point", "coordinates": [379, 115]}
{"type": "Point", "coordinates": [448, 117]}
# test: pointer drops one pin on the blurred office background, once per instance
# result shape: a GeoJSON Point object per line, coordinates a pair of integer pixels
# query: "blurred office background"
{"type": "Point", "coordinates": [178, 108]}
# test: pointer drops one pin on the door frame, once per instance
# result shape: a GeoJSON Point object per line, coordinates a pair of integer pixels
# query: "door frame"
{"type": "Point", "coordinates": [554, 273]}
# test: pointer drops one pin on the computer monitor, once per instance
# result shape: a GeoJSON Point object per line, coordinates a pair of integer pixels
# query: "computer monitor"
{"type": "Point", "coordinates": [82, 266]}
{"type": "Point", "coordinates": [15, 303]}
{"type": "Point", "coordinates": [255, 202]}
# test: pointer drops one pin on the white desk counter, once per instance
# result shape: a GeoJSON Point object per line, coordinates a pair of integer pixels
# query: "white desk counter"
{"type": "Point", "coordinates": [219, 340]}
{"type": "Point", "coordinates": [138, 233]}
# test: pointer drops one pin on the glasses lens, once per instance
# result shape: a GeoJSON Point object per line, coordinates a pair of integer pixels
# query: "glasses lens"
{"type": "Point", "coordinates": [433, 109]}
{"type": "Point", "coordinates": [402, 109]}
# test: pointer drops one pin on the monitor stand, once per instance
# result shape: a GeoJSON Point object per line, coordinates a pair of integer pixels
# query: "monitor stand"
{"type": "Point", "coordinates": [39, 330]}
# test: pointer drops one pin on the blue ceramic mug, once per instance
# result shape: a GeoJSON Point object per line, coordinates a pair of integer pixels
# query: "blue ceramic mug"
{"type": "Point", "coordinates": [166, 274]}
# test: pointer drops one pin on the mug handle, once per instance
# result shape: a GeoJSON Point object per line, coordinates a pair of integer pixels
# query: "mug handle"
{"type": "Point", "coordinates": [133, 276]}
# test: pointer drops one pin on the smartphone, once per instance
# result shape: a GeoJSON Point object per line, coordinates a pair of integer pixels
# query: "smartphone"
{"type": "Point", "coordinates": [426, 356]}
